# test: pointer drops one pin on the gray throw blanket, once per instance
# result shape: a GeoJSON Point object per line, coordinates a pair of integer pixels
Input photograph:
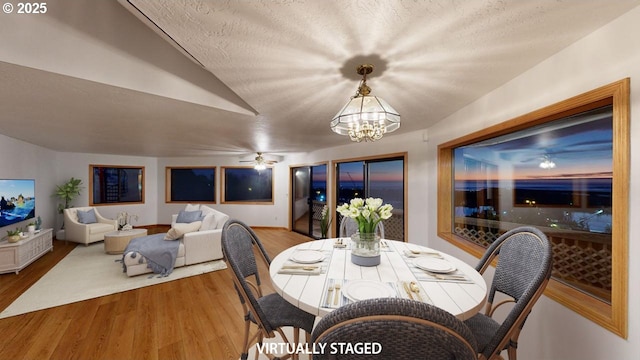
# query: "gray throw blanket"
{"type": "Point", "coordinates": [160, 254]}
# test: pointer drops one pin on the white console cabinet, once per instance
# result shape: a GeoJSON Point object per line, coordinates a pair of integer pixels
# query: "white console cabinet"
{"type": "Point", "coordinates": [16, 256]}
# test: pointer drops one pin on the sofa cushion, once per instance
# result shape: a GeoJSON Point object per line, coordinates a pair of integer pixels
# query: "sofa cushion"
{"type": "Point", "coordinates": [208, 222]}
{"type": "Point", "coordinates": [100, 228]}
{"type": "Point", "coordinates": [189, 216]}
{"type": "Point", "coordinates": [221, 219]}
{"type": "Point", "coordinates": [209, 218]}
{"type": "Point", "coordinates": [192, 207]}
{"type": "Point", "coordinates": [179, 229]}
{"type": "Point", "coordinates": [218, 220]}
{"type": "Point", "coordinates": [87, 217]}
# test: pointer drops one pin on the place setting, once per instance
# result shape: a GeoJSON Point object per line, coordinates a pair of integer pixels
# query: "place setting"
{"type": "Point", "coordinates": [304, 262]}
{"type": "Point", "coordinates": [414, 253]}
{"type": "Point", "coordinates": [341, 292]}
{"type": "Point", "coordinates": [384, 246]}
{"type": "Point", "coordinates": [436, 269]}
{"type": "Point", "coordinates": [341, 243]}
{"type": "Point", "coordinates": [412, 290]}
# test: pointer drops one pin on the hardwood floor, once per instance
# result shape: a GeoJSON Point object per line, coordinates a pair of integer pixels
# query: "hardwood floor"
{"type": "Point", "coordinates": [199, 317]}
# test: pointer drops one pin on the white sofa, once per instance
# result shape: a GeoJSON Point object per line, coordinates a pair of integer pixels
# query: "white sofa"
{"type": "Point", "coordinates": [79, 232]}
{"type": "Point", "coordinates": [195, 247]}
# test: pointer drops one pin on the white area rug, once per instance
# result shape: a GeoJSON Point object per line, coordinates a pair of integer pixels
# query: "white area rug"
{"type": "Point", "coordinates": [88, 272]}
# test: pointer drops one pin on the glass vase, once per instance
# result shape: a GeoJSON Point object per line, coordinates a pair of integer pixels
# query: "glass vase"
{"type": "Point", "coordinates": [365, 249]}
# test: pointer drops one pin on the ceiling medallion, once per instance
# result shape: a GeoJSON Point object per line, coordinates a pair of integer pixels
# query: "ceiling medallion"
{"type": "Point", "coordinates": [365, 117]}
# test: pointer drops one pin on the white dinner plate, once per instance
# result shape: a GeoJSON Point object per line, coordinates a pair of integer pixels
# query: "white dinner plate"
{"type": "Point", "coordinates": [357, 290]}
{"type": "Point", "coordinates": [434, 265]}
{"type": "Point", "coordinates": [307, 256]}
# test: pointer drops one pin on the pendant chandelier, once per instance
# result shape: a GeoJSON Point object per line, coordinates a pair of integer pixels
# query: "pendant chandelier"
{"type": "Point", "coordinates": [365, 117]}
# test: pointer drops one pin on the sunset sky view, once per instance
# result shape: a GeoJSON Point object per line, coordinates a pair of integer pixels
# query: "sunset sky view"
{"type": "Point", "coordinates": [580, 147]}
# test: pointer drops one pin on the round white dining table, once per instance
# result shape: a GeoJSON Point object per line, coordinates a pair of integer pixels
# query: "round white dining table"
{"type": "Point", "coordinates": [318, 277]}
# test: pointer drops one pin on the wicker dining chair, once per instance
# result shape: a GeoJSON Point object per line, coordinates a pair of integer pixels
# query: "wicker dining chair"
{"type": "Point", "coordinates": [349, 226]}
{"type": "Point", "coordinates": [269, 312]}
{"type": "Point", "coordinates": [522, 272]}
{"type": "Point", "coordinates": [405, 329]}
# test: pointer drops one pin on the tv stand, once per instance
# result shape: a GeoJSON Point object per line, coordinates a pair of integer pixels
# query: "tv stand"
{"type": "Point", "coordinates": [16, 256]}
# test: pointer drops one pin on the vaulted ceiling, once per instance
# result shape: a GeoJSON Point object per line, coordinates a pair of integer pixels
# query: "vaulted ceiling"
{"type": "Point", "coordinates": [191, 78]}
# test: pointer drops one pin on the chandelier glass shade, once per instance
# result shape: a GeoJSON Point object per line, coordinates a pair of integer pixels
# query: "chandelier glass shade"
{"type": "Point", "coordinates": [547, 163]}
{"type": "Point", "coordinates": [365, 117]}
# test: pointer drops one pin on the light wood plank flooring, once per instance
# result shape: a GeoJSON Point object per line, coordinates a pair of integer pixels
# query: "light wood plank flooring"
{"type": "Point", "coordinates": [199, 317]}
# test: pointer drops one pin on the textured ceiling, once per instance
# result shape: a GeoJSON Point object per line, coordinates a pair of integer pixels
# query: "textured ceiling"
{"type": "Point", "coordinates": [293, 64]}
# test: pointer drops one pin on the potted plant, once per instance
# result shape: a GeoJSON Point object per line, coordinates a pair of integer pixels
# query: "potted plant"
{"type": "Point", "coordinates": [14, 235]}
{"type": "Point", "coordinates": [67, 192]}
{"type": "Point", "coordinates": [325, 222]}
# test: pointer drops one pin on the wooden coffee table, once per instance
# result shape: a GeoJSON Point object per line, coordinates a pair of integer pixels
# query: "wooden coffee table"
{"type": "Point", "coordinates": [116, 241]}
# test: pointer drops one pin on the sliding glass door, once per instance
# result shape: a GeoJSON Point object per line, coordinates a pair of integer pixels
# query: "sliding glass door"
{"type": "Point", "coordinates": [381, 178]}
{"type": "Point", "coordinates": [309, 195]}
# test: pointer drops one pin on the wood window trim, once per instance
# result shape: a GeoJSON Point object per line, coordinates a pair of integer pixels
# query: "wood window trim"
{"type": "Point", "coordinates": [167, 184]}
{"type": "Point", "coordinates": [612, 316]}
{"type": "Point", "coordinates": [223, 179]}
{"type": "Point", "coordinates": [91, 186]}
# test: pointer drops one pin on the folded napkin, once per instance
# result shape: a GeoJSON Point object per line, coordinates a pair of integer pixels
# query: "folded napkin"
{"type": "Point", "coordinates": [403, 289]}
{"type": "Point", "coordinates": [457, 278]}
{"type": "Point", "coordinates": [410, 254]}
{"type": "Point", "coordinates": [341, 243]}
{"type": "Point", "coordinates": [300, 270]}
{"type": "Point", "coordinates": [384, 246]}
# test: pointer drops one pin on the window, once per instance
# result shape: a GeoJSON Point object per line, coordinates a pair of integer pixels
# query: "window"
{"type": "Point", "coordinates": [190, 184]}
{"type": "Point", "coordinates": [247, 185]}
{"type": "Point", "coordinates": [380, 177]}
{"type": "Point", "coordinates": [563, 169]}
{"type": "Point", "coordinates": [116, 185]}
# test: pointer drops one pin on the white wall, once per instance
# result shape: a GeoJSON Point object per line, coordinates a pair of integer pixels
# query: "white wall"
{"type": "Point", "coordinates": [605, 56]}
{"type": "Point", "coordinates": [93, 40]}
{"type": "Point", "coordinates": [77, 165]}
{"type": "Point", "coordinates": [20, 160]}
{"type": "Point", "coordinates": [275, 215]}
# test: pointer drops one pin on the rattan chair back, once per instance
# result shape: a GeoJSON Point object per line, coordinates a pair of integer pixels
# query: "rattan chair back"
{"type": "Point", "coordinates": [237, 246]}
{"type": "Point", "coordinates": [404, 329]}
{"type": "Point", "coordinates": [523, 269]}
{"type": "Point", "coordinates": [269, 312]}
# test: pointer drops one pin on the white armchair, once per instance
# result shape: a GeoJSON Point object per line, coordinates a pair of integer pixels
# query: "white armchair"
{"type": "Point", "coordinates": [86, 233]}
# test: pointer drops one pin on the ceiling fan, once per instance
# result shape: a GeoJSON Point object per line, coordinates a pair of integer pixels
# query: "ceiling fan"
{"type": "Point", "coordinates": [259, 162]}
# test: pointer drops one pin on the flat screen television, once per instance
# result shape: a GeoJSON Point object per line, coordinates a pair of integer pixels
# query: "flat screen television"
{"type": "Point", "coordinates": [18, 201]}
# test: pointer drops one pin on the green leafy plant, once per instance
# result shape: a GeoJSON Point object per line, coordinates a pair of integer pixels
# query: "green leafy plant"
{"type": "Point", "coordinates": [67, 192]}
{"type": "Point", "coordinates": [325, 221]}
{"type": "Point", "coordinates": [15, 232]}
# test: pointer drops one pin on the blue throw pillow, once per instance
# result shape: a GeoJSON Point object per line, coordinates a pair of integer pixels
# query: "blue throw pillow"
{"type": "Point", "coordinates": [87, 217]}
{"type": "Point", "coordinates": [189, 216]}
